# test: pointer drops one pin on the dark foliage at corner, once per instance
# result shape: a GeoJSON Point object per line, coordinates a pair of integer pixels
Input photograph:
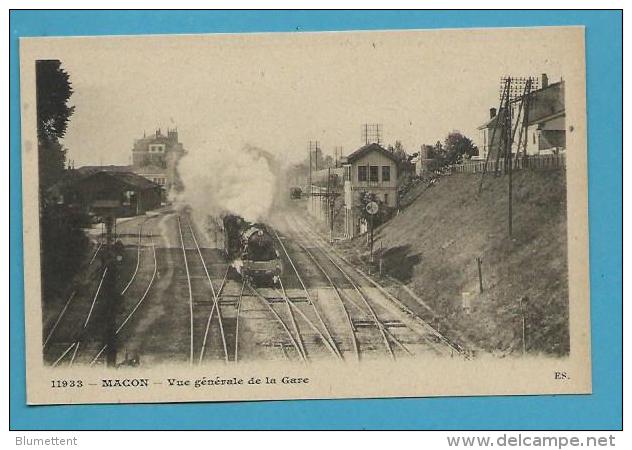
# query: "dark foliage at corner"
{"type": "Point", "coordinates": [62, 240]}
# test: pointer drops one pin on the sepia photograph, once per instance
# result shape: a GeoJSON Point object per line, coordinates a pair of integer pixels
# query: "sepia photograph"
{"type": "Point", "coordinates": [305, 215]}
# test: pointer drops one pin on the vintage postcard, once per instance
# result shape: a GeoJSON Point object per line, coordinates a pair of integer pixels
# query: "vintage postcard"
{"type": "Point", "coordinates": [305, 215]}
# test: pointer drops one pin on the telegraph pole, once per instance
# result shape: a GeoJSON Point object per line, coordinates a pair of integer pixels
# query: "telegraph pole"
{"type": "Point", "coordinates": [314, 147]}
{"type": "Point", "coordinates": [311, 192]}
{"type": "Point", "coordinates": [330, 208]}
{"type": "Point", "coordinates": [508, 145]}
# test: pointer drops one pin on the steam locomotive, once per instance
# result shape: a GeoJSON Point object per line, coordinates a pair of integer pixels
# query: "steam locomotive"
{"type": "Point", "coordinates": [250, 248]}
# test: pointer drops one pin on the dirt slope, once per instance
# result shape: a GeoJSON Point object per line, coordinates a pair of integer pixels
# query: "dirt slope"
{"type": "Point", "coordinates": [432, 247]}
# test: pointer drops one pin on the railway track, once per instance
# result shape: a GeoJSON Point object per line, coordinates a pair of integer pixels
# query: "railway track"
{"type": "Point", "coordinates": [290, 342]}
{"type": "Point", "coordinates": [136, 306]}
{"type": "Point", "coordinates": [216, 318]}
{"type": "Point", "coordinates": [368, 335]}
{"type": "Point", "coordinates": [81, 333]}
{"type": "Point", "coordinates": [203, 300]}
{"type": "Point", "coordinates": [402, 333]}
{"type": "Point", "coordinates": [89, 336]}
{"type": "Point", "coordinates": [319, 330]}
{"type": "Point", "coordinates": [321, 309]}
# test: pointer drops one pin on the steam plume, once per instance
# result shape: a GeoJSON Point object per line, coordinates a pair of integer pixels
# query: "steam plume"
{"type": "Point", "coordinates": [225, 179]}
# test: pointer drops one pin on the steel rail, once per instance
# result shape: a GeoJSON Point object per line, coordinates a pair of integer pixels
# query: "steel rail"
{"type": "Point", "coordinates": [59, 317]}
{"type": "Point", "coordinates": [294, 324]}
{"type": "Point", "coordinates": [241, 294]}
{"type": "Point", "coordinates": [354, 338]}
{"type": "Point", "coordinates": [400, 305]}
{"type": "Point", "coordinates": [215, 303]}
{"type": "Point", "coordinates": [74, 353]}
{"type": "Point", "coordinates": [140, 229]}
{"type": "Point", "coordinates": [64, 354]}
{"type": "Point", "coordinates": [332, 342]}
{"type": "Point", "coordinates": [372, 313]}
{"type": "Point", "coordinates": [366, 301]}
{"type": "Point", "coordinates": [96, 252]}
{"type": "Point", "coordinates": [379, 322]}
{"type": "Point", "coordinates": [276, 315]}
{"type": "Point", "coordinates": [329, 345]}
{"type": "Point", "coordinates": [97, 293]}
{"type": "Point", "coordinates": [186, 266]}
{"type": "Point", "coordinates": [140, 301]}
{"type": "Point", "coordinates": [142, 298]}
{"type": "Point", "coordinates": [94, 300]}
{"type": "Point", "coordinates": [208, 322]}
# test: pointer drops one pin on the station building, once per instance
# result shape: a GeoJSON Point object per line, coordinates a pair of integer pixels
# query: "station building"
{"type": "Point", "coordinates": [80, 188]}
{"type": "Point", "coordinates": [372, 169]}
{"type": "Point", "coordinates": [156, 157]}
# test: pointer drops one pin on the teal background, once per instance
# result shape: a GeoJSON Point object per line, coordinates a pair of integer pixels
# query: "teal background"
{"type": "Point", "coordinates": [601, 410]}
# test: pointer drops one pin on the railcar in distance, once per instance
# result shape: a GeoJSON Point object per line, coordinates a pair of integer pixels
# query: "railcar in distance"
{"type": "Point", "coordinates": [296, 193]}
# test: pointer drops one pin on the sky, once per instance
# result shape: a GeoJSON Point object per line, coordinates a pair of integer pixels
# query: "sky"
{"type": "Point", "coordinates": [278, 91]}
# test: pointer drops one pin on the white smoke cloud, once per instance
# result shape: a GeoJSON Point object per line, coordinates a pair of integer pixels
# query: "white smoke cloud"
{"type": "Point", "coordinates": [226, 178]}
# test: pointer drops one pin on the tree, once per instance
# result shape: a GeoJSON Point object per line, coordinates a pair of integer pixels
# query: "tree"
{"type": "Point", "coordinates": [53, 90]}
{"type": "Point", "coordinates": [399, 151]}
{"type": "Point", "coordinates": [62, 241]}
{"type": "Point", "coordinates": [457, 147]}
{"type": "Point", "coordinates": [436, 151]}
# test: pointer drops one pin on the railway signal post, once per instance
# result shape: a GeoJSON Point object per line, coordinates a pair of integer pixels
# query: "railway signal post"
{"type": "Point", "coordinates": [113, 255]}
{"type": "Point", "coordinates": [372, 208]}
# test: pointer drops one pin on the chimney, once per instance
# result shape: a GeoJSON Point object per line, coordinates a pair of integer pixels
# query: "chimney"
{"type": "Point", "coordinates": [492, 113]}
{"type": "Point", "coordinates": [545, 81]}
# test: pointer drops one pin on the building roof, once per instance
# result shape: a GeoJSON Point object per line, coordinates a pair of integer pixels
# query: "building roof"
{"type": "Point", "coordinates": [359, 153]}
{"type": "Point", "coordinates": [134, 180]}
{"type": "Point", "coordinates": [150, 169]}
{"type": "Point", "coordinates": [491, 123]}
{"type": "Point", "coordinates": [545, 103]}
{"type": "Point", "coordinates": [126, 179]}
{"type": "Point", "coordinates": [110, 168]}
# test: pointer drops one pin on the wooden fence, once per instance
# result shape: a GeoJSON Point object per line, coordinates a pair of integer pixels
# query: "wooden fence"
{"type": "Point", "coordinates": [539, 162]}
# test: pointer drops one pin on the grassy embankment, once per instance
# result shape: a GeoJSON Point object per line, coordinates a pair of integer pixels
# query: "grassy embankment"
{"type": "Point", "coordinates": [432, 246]}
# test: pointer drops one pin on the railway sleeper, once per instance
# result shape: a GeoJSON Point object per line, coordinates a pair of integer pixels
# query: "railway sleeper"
{"type": "Point", "coordinates": [203, 303]}
{"type": "Point", "coordinates": [299, 299]}
{"type": "Point", "coordinates": [370, 323]}
{"type": "Point", "coordinates": [360, 323]}
{"type": "Point", "coordinates": [393, 324]}
{"type": "Point", "coordinates": [275, 299]}
{"type": "Point", "coordinates": [276, 344]}
{"type": "Point", "coordinates": [229, 301]}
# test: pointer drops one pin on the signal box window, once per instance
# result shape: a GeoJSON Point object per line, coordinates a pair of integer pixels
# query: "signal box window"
{"type": "Point", "coordinates": [386, 173]}
{"type": "Point", "coordinates": [362, 173]}
{"type": "Point", "coordinates": [373, 174]}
